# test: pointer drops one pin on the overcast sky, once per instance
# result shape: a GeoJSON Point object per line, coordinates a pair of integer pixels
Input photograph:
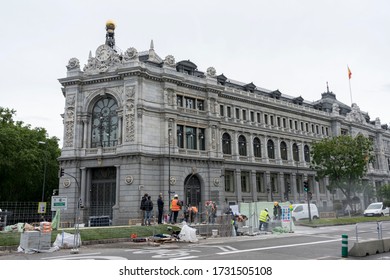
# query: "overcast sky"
{"type": "Point", "coordinates": [293, 46]}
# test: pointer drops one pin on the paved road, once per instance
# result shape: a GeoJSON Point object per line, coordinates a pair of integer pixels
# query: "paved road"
{"type": "Point", "coordinates": [304, 244]}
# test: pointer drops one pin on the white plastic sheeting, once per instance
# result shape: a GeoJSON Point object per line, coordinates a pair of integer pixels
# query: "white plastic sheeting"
{"type": "Point", "coordinates": [188, 233]}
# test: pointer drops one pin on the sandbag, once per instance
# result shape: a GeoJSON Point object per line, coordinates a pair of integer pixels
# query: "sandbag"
{"type": "Point", "coordinates": [188, 234]}
{"type": "Point", "coordinates": [67, 240]}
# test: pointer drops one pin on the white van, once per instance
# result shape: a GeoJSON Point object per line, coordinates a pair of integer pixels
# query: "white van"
{"type": "Point", "coordinates": [301, 211]}
{"type": "Point", "coordinates": [376, 209]}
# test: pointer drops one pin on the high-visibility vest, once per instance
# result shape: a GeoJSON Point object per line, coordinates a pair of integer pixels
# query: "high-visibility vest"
{"type": "Point", "coordinates": [263, 216]}
{"type": "Point", "coordinates": [174, 205]}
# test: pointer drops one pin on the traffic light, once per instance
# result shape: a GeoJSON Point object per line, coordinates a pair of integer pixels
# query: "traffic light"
{"type": "Point", "coordinates": [61, 172]}
{"type": "Point", "coordinates": [288, 188]}
{"type": "Point", "coordinates": [306, 186]}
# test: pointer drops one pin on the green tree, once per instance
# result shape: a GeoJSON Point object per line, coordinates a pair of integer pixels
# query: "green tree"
{"type": "Point", "coordinates": [23, 159]}
{"type": "Point", "coordinates": [384, 193]}
{"type": "Point", "coordinates": [345, 160]}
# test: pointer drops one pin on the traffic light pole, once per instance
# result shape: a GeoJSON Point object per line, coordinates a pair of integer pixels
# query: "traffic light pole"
{"type": "Point", "coordinates": [76, 239]}
{"type": "Point", "coordinates": [308, 206]}
{"type": "Point", "coordinates": [308, 196]}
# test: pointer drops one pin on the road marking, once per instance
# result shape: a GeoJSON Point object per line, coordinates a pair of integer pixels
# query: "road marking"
{"type": "Point", "coordinates": [65, 257]}
{"type": "Point", "coordinates": [185, 258]}
{"type": "Point", "coordinates": [277, 247]}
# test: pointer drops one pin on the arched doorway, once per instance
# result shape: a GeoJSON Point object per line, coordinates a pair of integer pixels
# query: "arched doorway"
{"type": "Point", "coordinates": [103, 188]}
{"type": "Point", "coordinates": [192, 190]}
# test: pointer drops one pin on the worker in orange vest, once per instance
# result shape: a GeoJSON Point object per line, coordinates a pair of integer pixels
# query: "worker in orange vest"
{"type": "Point", "coordinates": [175, 208]}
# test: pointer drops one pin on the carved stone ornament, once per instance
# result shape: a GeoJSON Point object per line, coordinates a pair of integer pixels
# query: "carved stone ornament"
{"type": "Point", "coordinates": [106, 60]}
{"type": "Point", "coordinates": [66, 183]}
{"type": "Point", "coordinates": [170, 61]}
{"type": "Point", "coordinates": [69, 121]}
{"type": "Point", "coordinates": [129, 180]}
{"type": "Point", "coordinates": [73, 64]}
{"type": "Point", "coordinates": [130, 54]}
{"type": "Point", "coordinates": [172, 180]}
{"type": "Point", "coordinates": [211, 71]}
{"type": "Point", "coordinates": [355, 115]}
{"type": "Point", "coordinates": [217, 181]}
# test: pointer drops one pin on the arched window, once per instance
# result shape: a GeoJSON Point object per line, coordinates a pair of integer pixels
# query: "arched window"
{"type": "Point", "coordinates": [226, 144]}
{"type": "Point", "coordinates": [270, 149]}
{"type": "Point", "coordinates": [295, 152]}
{"type": "Point", "coordinates": [242, 145]}
{"type": "Point", "coordinates": [283, 150]}
{"type": "Point", "coordinates": [307, 153]}
{"type": "Point", "coordinates": [256, 147]}
{"type": "Point", "coordinates": [104, 123]}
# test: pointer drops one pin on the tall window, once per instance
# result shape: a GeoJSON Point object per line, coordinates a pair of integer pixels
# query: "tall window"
{"type": "Point", "coordinates": [104, 123]}
{"type": "Point", "coordinates": [245, 181]}
{"type": "Point", "coordinates": [270, 149]}
{"type": "Point", "coordinates": [307, 153]}
{"type": "Point", "coordinates": [226, 144]}
{"type": "Point", "coordinates": [180, 138]}
{"type": "Point", "coordinates": [259, 182]}
{"type": "Point", "coordinates": [202, 141]}
{"type": "Point", "coordinates": [221, 111]}
{"type": "Point", "coordinates": [242, 145]}
{"type": "Point", "coordinates": [229, 181]}
{"type": "Point", "coordinates": [179, 100]}
{"type": "Point", "coordinates": [200, 105]}
{"type": "Point", "coordinates": [295, 152]}
{"type": "Point", "coordinates": [283, 150]}
{"type": "Point", "coordinates": [256, 147]}
{"type": "Point", "coordinates": [190, 102]}
{"type": "Point", "coordinates": [191, 137]}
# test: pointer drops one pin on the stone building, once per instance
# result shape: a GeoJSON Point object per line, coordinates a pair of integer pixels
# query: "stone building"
{"type": "Point", "coordinates": [135, 123]}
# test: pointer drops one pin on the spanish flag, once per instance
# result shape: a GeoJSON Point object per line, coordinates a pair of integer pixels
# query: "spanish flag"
{"type": "Point", "coordinates": [349, 73]}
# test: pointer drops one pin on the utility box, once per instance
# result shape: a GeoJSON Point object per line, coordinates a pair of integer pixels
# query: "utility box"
{"type": "Point", "coordinates": [35, 240]}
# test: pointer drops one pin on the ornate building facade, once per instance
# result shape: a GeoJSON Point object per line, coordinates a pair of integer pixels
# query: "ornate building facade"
{"type": "Point", "coordinates": [135, 123]}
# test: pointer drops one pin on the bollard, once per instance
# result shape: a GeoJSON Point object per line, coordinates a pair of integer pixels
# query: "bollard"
{"type": "Point", "coordinates": [344, 246]}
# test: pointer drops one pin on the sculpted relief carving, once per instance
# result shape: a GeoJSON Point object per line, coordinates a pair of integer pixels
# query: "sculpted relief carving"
{"type": "Point", "coordinates": [355, 115]}
{"type": "Point", "coordinates": [73, 64]}
{"type": "Point", "coordinates": [106, 59]}
{"type": "Point", "coordinates": [69, 121]}
{"type": "Point", "coordinates": [129, 114]}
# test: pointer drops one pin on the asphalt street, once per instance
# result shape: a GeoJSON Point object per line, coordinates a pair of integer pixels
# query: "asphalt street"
{"type": "Point", "coordinates": [305, 243]}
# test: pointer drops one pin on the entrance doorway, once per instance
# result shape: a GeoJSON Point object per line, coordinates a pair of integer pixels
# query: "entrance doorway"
{"type": "Point", "coordinates": [103, 190]}
{"type": "Point", "coordinates": [192, 190]}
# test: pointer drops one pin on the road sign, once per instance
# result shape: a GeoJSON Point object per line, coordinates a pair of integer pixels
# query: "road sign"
{"type": "Point", "coordinates": [41, 207]}
{"type": "Point", "coordinates": [59, 203]}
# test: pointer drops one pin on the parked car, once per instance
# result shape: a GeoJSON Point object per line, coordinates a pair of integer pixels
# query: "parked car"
{"type": "Point", "coordinates": [376, 209]}
{"type": "Point", "coordinates": [301, 211]}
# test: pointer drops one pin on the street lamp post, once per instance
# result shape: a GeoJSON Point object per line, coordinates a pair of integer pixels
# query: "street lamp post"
{"type": "Point", "coordinates": [169, 163]}
{"type": "Point", "coordinates": [44, 171]}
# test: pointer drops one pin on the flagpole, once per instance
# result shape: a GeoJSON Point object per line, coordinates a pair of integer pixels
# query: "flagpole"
{"type": "Point", "coordinates": [350, 91]}
{"type": "Point", "coordinates": [349, 80]}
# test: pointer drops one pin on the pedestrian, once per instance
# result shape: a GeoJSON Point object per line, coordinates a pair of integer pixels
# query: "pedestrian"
{"type": "Point", "coordinates": [264, 218]}
{"type": "Point", "coordinates": [160, 206]}
{"type": "Point", "coordinates": [213, 212]}
{"type": "Point", "coordinates": [170, 211]}
{"type": "Point", "coordinates": [192, 210]}
{"type": "Point", "coordinates": [175, 208]}
{"type": "Point", "coordinates": [148, 210]}
{"type": "Point", "coordinates": [277, 211]}
{"type": "Point", "coordinates": [142, 208]}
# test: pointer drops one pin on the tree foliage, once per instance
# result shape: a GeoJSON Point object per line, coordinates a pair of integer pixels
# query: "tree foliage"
{"type": "Point", "coordinates": [23, 159]}
{"type": "Point", "coordinates": [344, 159]}
{"type": "Point", "coordinates": [384, 194]}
